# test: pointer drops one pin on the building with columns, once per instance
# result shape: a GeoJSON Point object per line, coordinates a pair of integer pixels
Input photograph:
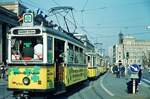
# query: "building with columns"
{"type": "Point", "coordinates": [13, 6]}
{"type": "Point", "coordinates": [9, 10]}
{"type": "Point", "coordinates": [131, 50]}
{"type": "Point", "coordinates": [8, 19]}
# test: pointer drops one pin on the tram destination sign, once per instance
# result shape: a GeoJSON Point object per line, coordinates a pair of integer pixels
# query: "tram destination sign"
{"type": "Point", "coordinates": [26, 31]}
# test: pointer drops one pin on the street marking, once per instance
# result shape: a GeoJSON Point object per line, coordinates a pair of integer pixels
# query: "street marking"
{"type": "Point", "coordinates": [101, 83]}
{"type": "Point", "coordinates": [144, 84]}
{"type": "Point", "coordinates": [146, 81]}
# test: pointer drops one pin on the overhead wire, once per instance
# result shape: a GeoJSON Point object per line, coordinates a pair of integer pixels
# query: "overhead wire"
{"type": "Point", "coordinates": [31, 4]}
{"type": "Point", "coordinates": [55, 2]}
{"type": "Point", "coordinates": [84, 5]}
{"type": "Point", "coordinates": [82, 10]}
{"type": "Point", "coordinates": [111, 6]}
{"type": "Point", "coordinates": [119, 26]}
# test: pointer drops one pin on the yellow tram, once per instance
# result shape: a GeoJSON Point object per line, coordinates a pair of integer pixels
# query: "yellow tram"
{"type": "Point", "coordinates": [43, 59]}
{"type": "Point", "coordinates": [94, 65]}
{"type": "Point", "coordinates": [95, 61]}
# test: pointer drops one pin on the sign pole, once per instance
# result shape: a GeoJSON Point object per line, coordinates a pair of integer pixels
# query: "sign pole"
{"type": "Point", "coordinates": [133, 90]}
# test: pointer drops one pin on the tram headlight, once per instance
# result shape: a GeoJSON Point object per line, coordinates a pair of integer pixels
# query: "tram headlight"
{"type": "Point", "coordinates": [26, 81]}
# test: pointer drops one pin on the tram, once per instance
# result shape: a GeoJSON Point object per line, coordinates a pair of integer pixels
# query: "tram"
{"type": "Point", "coordinates": [42, 59]}
{"type": "Point", "coordinates": [95, 61]}
{"type": "Point", "coordinates": [95, 65]}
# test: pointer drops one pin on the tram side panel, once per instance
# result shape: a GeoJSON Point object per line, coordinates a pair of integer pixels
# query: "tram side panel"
{"type": "Point", "coordinates": [92, 72]}
{"type": "Point", "coordinates": [31, 77]}
{"type": "Point", "coordinates": [74, 74]}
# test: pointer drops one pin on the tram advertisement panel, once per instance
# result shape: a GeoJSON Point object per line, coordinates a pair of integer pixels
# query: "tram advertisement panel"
{"type": "Point", "coordinates": [31, 77]}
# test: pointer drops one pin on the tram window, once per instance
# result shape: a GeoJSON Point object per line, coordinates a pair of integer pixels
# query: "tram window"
{"type": "Point", "coordinates": [94, 61]}
{"type": "Point", "coordinates": [89, 60]}
{"type": "Point", "coordinates": [76, 55]}
{"type": "Point", "coordinates": [81, 60]}
{"type": "Point", "coordinates": [85, 61]}
{"type": "Point", "coordinates": [70, 53]}
{"type": "Point", "coordinates": [27, 48]}
{"type": "Point", "coordinates": [49, 49]}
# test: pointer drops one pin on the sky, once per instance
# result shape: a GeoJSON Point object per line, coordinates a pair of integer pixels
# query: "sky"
{"type": "Point", "coordinates": [103, 20]}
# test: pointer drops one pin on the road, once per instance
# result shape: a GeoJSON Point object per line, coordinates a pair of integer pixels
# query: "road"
{"type": "Point", "coordinates": [110, 87]}
{"type": "Point", "coordinates": [105, 87]}
{"type": "Point", "coordinates": [146, 74]}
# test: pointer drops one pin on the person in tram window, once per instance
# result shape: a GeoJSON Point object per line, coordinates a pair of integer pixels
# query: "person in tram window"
{"type": "Point", "coordinates": [15, 56]}
{"type": "Point", "coordinates": [38, 50]}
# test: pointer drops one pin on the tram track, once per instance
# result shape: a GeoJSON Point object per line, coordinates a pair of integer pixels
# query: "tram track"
{"type": "Point", "coordinates": [95, 91]}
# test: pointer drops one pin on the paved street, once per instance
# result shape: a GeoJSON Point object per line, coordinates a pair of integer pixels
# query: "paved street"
{"type": "Point", "coordinates": [110, 87]}
{"type": "Point", "coordinates": [4, 94]}
{"type": "Point", "coordinates": [146, 74]}
{"type": "Point", "coordinates": [106, 87]}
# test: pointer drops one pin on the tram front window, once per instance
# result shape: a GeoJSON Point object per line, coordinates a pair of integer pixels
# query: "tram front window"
{"type": "Point", "coordinates": [27, 48]}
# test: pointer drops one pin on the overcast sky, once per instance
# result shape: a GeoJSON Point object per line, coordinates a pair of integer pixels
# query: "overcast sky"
{"type": "Point", "coordinates": [102, 20]}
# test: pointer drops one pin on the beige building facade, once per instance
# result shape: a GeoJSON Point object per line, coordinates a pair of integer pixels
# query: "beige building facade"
{"type": "Point", "coordinates": [13, 6]}
{"type": "Point", "coordinates": [132, 51]}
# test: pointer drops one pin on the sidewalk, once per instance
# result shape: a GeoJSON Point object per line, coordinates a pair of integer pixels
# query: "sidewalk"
{"type": "Point", "coordinates": [3, 82]}
{"type": "Point", "coordinates": [119, 88]}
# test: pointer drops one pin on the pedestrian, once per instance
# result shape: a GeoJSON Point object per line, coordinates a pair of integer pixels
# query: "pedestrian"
{"type": "Point", "coordinates": [130, 86]}
{"type": "Point", "coordinates": [122, 71]}
{"type": "Point", "coordinates": [2, 71]}
{"type": "Point", "coordinates": [139, 74]}
{"type": "Point", "coordinates": [115, 70]}
{"type": "Point", "coordinates": [118, 71]}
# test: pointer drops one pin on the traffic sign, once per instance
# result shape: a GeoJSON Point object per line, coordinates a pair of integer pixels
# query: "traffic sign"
{"type": "Point", "coordinates": [28, 19]}
{"type": "Point", "coordinates": [134, 68]}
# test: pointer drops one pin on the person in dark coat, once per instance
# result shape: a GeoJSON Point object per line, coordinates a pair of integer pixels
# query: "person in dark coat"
{"type": "Point", "coordinates": [130, 85]}
{"type": "Point", "coordinates": [140, 74]}
{"type": "Point", "coordinates": [115, 70]}
{"type": "Point", "coordinates": [2, 71]}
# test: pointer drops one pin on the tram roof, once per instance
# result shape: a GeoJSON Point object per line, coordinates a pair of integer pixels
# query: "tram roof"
{"type": "Point", "coordinates": [65, 35]}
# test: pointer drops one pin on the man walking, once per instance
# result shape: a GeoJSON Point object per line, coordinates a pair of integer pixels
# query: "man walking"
{"type": "Point", "coordinates": [140, 74]}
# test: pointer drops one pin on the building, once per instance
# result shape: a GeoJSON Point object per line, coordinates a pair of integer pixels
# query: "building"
{"type": "Point", "coordinates": [13, 5]}
{"type": "Point", "coordinates": [9, 11]}
{"type": "Point", "coordinates": [132, 51]}
{"type": "Point", "coordinates": [117, 54]}
{"type": "Point", "coordinates": [110, 54]}
{"type": "Point", "coordinates": [8, 19]}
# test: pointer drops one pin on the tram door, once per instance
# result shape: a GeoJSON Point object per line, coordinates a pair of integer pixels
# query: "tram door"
{"type": "Point", "coordinates": [59, 60]}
